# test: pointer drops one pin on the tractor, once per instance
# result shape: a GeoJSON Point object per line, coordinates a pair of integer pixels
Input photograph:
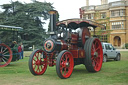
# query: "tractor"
{"type": "Point", "coordinates": [8, 53]}
{"type": "Point", "coordinates": [70, 43]}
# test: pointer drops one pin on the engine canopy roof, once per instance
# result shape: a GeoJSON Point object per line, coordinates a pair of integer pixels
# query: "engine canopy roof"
{"type": "Point", "coordinates": [77, 23]}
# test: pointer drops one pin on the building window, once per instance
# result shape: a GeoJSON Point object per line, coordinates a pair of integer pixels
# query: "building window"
{"type": "Point", "coordinates": [122, 12]}
{"type": "Point", "coordinates": [103, 15]}
{"type": "Point", "coordinates": [86, 16]}
{"type": "Point", "coordinates": [117, 13]}
{"type": "Point", "coordinates": [92, 16]}
{"type": "Point", "coordinates": [117, 25]}
{"type": "Point", "coordinates": [103, 28]}
{"type": "Point", "coordinates": [103, 38]}
{"type": "Point", "coordinates": [89, 16]}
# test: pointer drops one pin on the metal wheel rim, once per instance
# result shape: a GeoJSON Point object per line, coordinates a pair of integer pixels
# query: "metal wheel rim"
{"type": "Point", "coordinates": [6, 55]}
{"type": "Point", "coordinates": [96, 55]}
{"type": "Point", "coordinates": [66, 65]}
{"type": "Point", "coordinates": [39, 64]}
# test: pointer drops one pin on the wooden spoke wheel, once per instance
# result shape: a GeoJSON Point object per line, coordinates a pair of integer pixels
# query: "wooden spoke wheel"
{"type": "Point", "coordinates": [5, 55]}
{"type": "Point", "coordinates": [94, 55]}
{"type": "Point", "coordinates": [64, 64]}
{"type": "Point", "coordinates": [38, 62]}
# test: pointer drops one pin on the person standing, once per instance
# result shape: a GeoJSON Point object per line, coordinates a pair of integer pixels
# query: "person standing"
{"type": "Point", "coordinates": [14, 46]}
{"type": "Point", "coordinates": [19, 50]}
{"type": "Point", "coordinates": [22, 52]}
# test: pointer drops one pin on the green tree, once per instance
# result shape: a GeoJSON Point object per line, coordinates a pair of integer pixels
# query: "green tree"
{"type": "Point", "coordinates": [30, 17]}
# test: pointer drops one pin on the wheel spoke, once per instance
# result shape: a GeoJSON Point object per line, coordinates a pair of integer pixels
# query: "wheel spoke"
{"type": "Point", "coordinates": [4, 50]}
{"type": "Point", "coordinates": [33, 63]}
{"type": "Point", "coordinates": [41, 67]}
{"type": "Point", "coordinates": [6, 55]}
{"type": "Point", "coordinates": [97, 48]}
{"type": "Point", "coordinates": [34, 66]}
{"type": "Point", "coordinates": [1, 48]}
{"type": "Point", "coordinates": [93, 48]}
{"type": "Point", "coordinates": [92, 58]}
{"type": "Point", "coordinates": [5, 58]}
{"type": "Point", "coordinates": [34, 59]}
{"type": "Point", "coordinates": [93, 63]}
{"type": "Point", "coordinates": [65, 71]}
{"type": "Point", "coordinates": [37, 56]}
{"type": "Point", "coordinates": [37, 68]}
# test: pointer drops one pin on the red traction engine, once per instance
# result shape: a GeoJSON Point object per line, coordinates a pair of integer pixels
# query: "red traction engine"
{"type": "Point", "coordinates": [69, 44]}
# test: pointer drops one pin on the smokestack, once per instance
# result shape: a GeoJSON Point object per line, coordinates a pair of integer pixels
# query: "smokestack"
{"type": "Point", "coordinates": [104, 2]}
{"type": "Point", "coordinates": [53, 20]}
{"type": "Point", "coordinates": [87, 2]}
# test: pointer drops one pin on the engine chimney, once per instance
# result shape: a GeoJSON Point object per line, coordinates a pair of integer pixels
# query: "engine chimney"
{"type": "Point", "coordinates": [53, 20]}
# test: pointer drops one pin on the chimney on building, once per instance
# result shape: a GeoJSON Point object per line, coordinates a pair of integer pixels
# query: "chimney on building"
{"type": "Point", "coordinates": [87, 2]}
{"type": "Point", "coordinates": [104, 2]}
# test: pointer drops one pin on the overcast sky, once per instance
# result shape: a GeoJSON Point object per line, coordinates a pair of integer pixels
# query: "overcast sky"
{"type": "Point", "coordinates": [67, 8]}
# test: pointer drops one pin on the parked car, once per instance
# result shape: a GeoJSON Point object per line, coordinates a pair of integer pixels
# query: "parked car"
{"type": "Point", "coordinates": [109, 52]}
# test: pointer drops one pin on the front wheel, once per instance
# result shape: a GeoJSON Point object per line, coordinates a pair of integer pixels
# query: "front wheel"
{"type": "Point", "coordinates": [64, 64]}
{"type": "Point", "coordinates": [117, 57]}
{"type": "Point", "coordinates": [38, 62]}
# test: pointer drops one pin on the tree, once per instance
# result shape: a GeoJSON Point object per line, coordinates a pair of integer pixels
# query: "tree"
{"type": "Point", "coordinates": [29, 16]}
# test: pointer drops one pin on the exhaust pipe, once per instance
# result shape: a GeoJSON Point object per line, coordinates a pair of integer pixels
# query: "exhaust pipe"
{"type": "Point", "coordinates": [53, 20]}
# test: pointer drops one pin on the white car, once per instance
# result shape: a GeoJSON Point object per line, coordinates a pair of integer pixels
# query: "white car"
{"type": "Point", "coordinates": [109, 52]}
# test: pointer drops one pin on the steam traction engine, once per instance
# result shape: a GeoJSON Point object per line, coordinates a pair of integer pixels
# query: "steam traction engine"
{"type": "Point", "coordinates": [69, 44]}
{"type": "Point", "coordinates": [9, 54]}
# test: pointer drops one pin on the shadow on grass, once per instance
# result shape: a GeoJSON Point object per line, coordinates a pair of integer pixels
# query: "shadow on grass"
{"type": "Point", "coordinates": [12, 65]}
{"type": "Point", "coordinates": [110, 60]}
{"type": "Point", "coordinates": [80, 70]}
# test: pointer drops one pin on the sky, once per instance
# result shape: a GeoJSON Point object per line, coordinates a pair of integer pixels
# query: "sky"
{"type": "Point", "coordinates": [67, 8]}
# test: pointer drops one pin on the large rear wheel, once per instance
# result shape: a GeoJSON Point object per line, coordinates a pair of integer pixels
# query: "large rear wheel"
{"type": "Point", "coordinates": [94, 55]}
{"type": "Point", "coordinates": [64, 64]}
{"type": "Point", "coordinates": [5, 55]}
{"type": "Point", "coordinates": [38, 62]}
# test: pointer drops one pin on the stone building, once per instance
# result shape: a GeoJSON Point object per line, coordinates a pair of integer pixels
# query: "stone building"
{"type": "Point", "coordinates": [114, 16]}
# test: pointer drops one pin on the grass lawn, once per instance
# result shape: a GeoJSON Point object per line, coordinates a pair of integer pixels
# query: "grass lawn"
{"type": "Point", "coordinates": [112, 73]}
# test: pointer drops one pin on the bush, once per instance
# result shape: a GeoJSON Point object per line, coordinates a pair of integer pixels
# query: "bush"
{"type": "Point", "coordinates": [126, 45]}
